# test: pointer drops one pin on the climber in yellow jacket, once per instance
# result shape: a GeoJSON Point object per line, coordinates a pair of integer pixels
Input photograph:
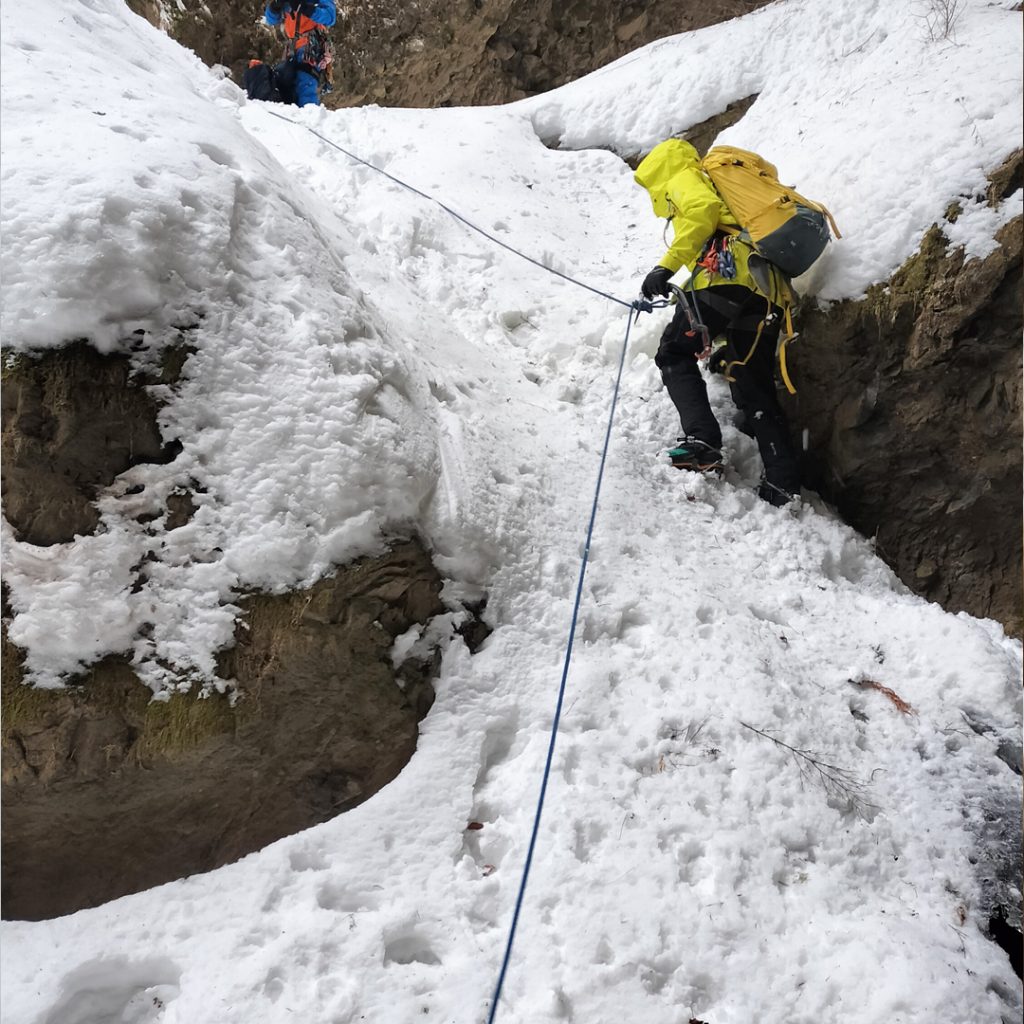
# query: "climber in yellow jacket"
{"type": "Point", "coordinates": [733, 293]}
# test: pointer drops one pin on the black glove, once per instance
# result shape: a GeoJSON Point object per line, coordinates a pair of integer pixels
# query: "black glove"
{"type": "Point", "coordinates": [656, 283]}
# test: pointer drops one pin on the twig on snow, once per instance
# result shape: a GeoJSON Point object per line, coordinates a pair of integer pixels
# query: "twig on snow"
{"type": "Point", "coordinates": [836, 781]}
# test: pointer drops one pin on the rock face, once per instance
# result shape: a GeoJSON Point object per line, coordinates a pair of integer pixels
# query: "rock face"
{"type": "Point", "coordinates": [72, 421]}
{"type": "Point", "coordinates": [444, 53]}
{"type": "Point", "coordinates": [912, 404]}
{"type": "Point", "coordinates": [106, 793]}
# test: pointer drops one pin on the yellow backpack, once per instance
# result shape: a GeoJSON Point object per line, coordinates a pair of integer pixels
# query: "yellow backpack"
{"type": "Point", "coordinates": [783, 226]}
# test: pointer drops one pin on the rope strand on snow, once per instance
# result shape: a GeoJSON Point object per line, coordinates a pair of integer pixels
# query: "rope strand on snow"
{"type": "Point", "coordinates": [561, 688]}
{"type": "Point", "coordinates": [449, 210]}
{"type": "Point", "coordinates": [639, 306]}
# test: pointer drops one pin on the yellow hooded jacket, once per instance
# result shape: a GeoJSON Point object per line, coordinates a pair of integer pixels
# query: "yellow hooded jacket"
{"type": "Point", "coordinates": [682, 192]}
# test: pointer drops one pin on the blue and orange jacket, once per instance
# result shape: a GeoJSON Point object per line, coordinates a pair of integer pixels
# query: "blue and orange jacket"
{"type": "Point", "coordinates": [297, 26]}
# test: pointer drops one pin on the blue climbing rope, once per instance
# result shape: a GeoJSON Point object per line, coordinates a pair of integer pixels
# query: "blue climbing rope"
{"type": "Point", "coordinates": [636, 307]}
{"type": "Point", "coordinates": [639, 306]}
{"type": "Point", "coordinates": [449, 210]}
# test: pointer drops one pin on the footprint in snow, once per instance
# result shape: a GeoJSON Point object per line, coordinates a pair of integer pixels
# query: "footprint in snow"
{"type": "Point", "coordinates": [117, 989]}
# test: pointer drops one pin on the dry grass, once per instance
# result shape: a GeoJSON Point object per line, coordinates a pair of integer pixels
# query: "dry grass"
{"type": "Point", "coordinates": [838, 783]}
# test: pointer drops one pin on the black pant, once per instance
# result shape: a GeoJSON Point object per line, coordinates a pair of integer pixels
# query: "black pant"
{"type": "Point", "coordinates": [732, 312]}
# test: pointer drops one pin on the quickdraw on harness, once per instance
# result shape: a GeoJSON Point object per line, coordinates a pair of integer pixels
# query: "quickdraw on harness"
{"type": "Point", "coordinates": [320, 56]}
{"type": "Point", "coordinates": [717, 258]}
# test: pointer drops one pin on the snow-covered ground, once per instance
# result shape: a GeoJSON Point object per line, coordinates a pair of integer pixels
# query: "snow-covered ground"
{"type": "Point", "coordinates": [365, 366]}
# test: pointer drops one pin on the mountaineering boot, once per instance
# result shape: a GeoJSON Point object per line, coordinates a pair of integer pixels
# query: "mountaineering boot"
{"type": "Point", "coordinates": [775, 495]}
{"type": "Point", "coordinates": [690, 453]}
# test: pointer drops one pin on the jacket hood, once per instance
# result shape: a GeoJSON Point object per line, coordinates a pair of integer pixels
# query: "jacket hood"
{"type": "Point", "coordinates": [662, 164]}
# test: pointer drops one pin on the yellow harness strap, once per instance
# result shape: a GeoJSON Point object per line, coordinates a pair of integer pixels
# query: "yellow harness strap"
{"type": "Point", "coordinates": [790, 335]}
{"type": "Point", "coordinates": [727, 371]}
{"type": "Point", "coordinates": [782, 366]}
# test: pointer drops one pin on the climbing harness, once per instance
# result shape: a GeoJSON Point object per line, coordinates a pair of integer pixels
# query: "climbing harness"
{"type": "Point", "coordinates": [716, 258]}
{"type": "Point", "coordinates": [768, 320]}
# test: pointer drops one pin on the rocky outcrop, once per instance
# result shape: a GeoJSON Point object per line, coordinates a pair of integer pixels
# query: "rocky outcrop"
{"type": "Point", "coordinates": [472, 52]}
{"type": "Point", "coordinates": [73, 420]}
{"type": "Point", "coordinates": [441, 53]}
{"type": "Point", "coordinates": [911, 400]}
{"type": "Point", "coordinates": [107, 793]}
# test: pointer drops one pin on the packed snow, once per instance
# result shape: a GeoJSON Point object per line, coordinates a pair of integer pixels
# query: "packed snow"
{"type": "Point", "coordinates": [366, 367]}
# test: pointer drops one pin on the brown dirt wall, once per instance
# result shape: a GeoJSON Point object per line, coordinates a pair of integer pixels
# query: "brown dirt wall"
{"type": "Point", "coordinates": [911, 399]}
{"type": "Point", "coordinates": [106, 792]}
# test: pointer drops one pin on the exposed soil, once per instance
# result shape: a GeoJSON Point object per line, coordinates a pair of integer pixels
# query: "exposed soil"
{"type": "Point", "coordinates": [106, 793]}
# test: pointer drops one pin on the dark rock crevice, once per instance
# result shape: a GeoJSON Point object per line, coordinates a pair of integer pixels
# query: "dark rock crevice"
{"type": "Point", "coordinates": [1007, 938]}
{"type": "Point", "coordinates": [703, 135]}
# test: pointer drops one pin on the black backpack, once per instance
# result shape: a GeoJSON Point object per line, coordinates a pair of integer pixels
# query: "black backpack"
{"type": "Point", "coordinates": [261, 83]}
{"type": "Point", "coordinates": [274, 84]}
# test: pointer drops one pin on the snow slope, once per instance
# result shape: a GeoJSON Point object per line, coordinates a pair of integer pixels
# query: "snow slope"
{"type": "Point", "coordinates": [366, 366]}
